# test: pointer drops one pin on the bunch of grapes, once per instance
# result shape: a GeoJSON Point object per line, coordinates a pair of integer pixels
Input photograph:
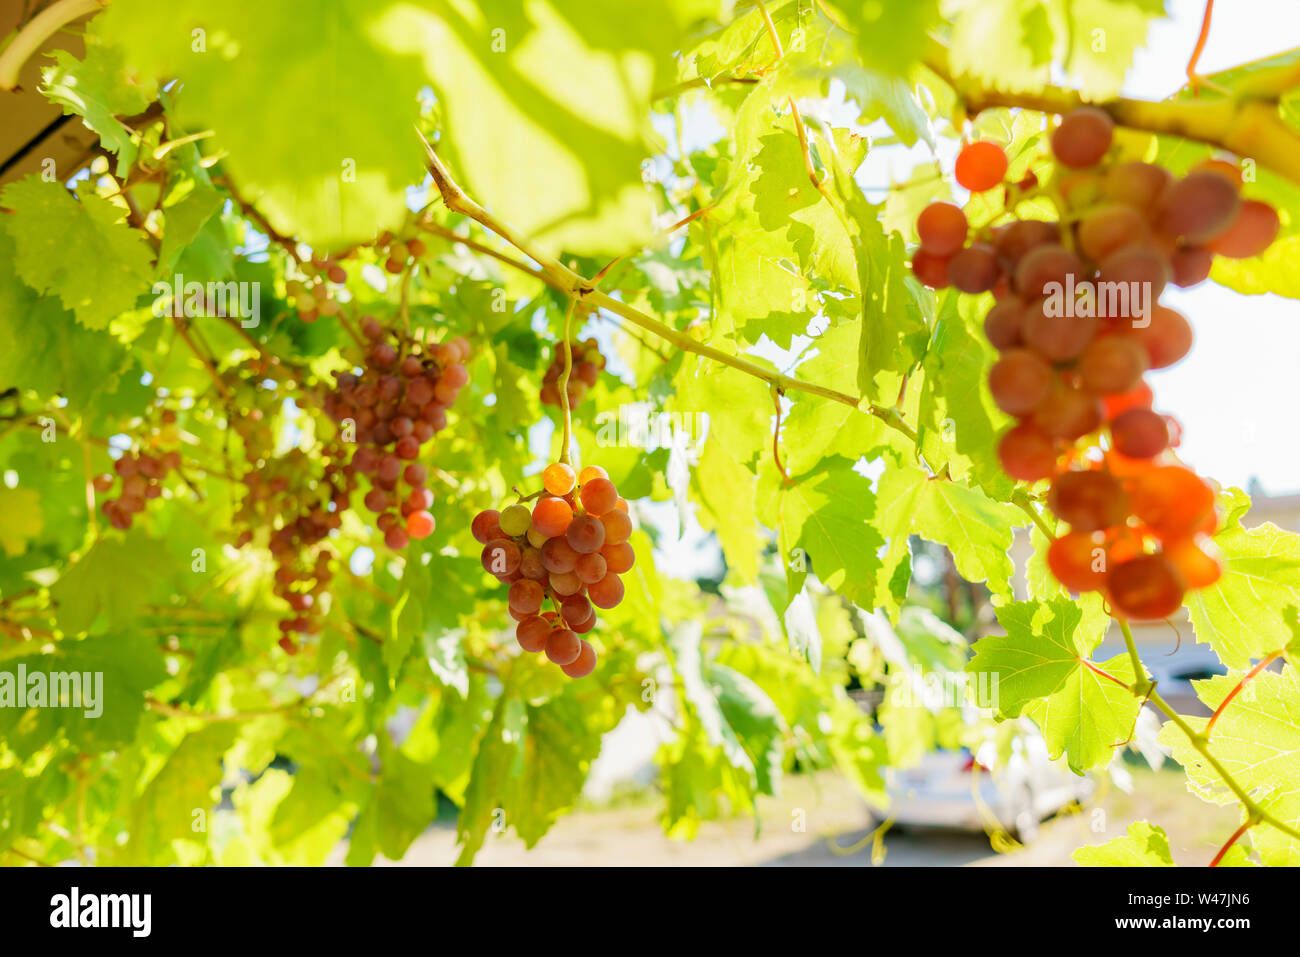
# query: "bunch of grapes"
{"type": "Point", "coordinates": [1077, 324]}
{"type": "Point", "coordinates": [308, 512]}
{"type": "Point", "coordinates": [397, 253]}
{"type": "Point", "coordinates": [568, 549]}
{"type": "Point", "coordinates": [286, 495]}
{"type": "Point", "coordinates": [395, 404]}
{"type": "Point", "coordinates": [311, 295]}
{"type": "Point", "coordinates": [586, 364]}
{"type": "Point", "coordinates": [140, 473]}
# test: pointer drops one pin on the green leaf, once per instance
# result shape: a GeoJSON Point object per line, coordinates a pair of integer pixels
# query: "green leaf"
{"type": "Point", "coordinates": [1042, 649]}
{"type": "Point", "coordinates": [1241, 615]}
{"type": "Point", "coordinates": [114, 579]}
{"type": "Point", "coordinates": [689, 664]}
{"type": "Point", "coordinates": [493, 762]}
{"type": "Point", "coordinates": [403, 802]}
{"type": "Point", "coordinates": [83, 252]}
{"type": "Point", "coordinates": [165, 810]}
{"type": "Point", "coordinates": [1091, 716]}
{"type": "Point", "coordinates": [21, 519]}
{"type": "Point", "coordinates": [751, 714]}
{"type": "Point", "coordinates": [583, 127]}
{"type": "Point", "coordinates": [563, 738]}
{"type": "Point", "coordinates": [728, 489]}
{"type": "Point", "coordinates": [819, 428]}
{"type": "Point", "coordinates": [1145, 845]}
{"type": "Point", "coordinates": [327, 160]}
{"type": "Point", "coordinates": [98, 90]}
{"type": "Point", "coordinates": [773, 237]}
{"type": "Point", "coordinates": [893, 329]}
{"type": "Point", "coordinates": [1257, 740]}
{"type": "Point", "coordinates": [111, 672]}
{"type": "Point", "coordinates": [891, 36]}
{"type": "Point", "coordinates": [828, 514]}
{"type": "Point", "coordinates": [956, 403]}
{"type": "Point", "coordinates": [977, 530]}
{"type": "Point", "coordinates": [188, 208]}
{"type": "Point", "coordinates": [1014, 44]}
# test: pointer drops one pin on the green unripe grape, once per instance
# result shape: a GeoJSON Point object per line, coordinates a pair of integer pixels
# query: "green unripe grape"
{"type": "Point", "coordinates": [515, 520]}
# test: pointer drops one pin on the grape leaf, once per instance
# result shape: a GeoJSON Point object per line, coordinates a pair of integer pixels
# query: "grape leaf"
{"type": "Point", "coordinates": [1044, 646]}
{"type": "Point", "coordinates": [98, 90]}
{"type": "Point", "coordinates": [818, 428]}
{"type": "Point", "coordinates": [20, 519]}
{"type": "Point", "coordinates": [1090, 716]}
{"type": "Point", "coordinates": [955, 401]}
{"type": "Point", "coordinates": [891, 36]}
{"type": "Point", "coordinates": [187, 782]}
{"type": "Point", "coordinates": [1241, 615]}
{"type": "Point", "coordinates": [1257, 740]}
{"type": "Point", "coordinates": [827, 513]}
{"type": "Point", "coordinates": [81, 251]}
{"type": "Point", "coordinates": [1145, 845]}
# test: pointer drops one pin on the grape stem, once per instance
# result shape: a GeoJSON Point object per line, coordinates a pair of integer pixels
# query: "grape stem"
{"type": "Point", "coordinates": [564, 381]}
{"type": "Point", "coordinates": [1194, 78]}
{"type": "Point", "coordinates": [818, 183]}
{"type": "Point", "coordinates": [776, 439]}
{"type": "Point", "coordinates": [572, 284]}
{"type": "Point", "coordinates": [1245, 679]}
{"type": "Point", "coordinates": [1101, 672]}
{"type": "Point", "coordinates": [1236, 835]}
{"type": "Point", "coordinates": [183, 332]}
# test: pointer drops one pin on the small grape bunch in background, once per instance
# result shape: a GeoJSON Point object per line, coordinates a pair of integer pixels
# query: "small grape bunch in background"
{"type": "Point", "coordinates": [569, 549]}
{"type": "Point", "coordinates": [586, 364]}
{"type": "Point", "coordinates": [311, 295]}
{"type": "Point", "coordinates": [140, 473]}
{"type": "Point", "coordinates": [397, 254]}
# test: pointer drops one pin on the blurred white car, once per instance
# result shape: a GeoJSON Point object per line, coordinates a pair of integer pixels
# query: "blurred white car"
{"type": "Point", "coordinates": [941, 790]}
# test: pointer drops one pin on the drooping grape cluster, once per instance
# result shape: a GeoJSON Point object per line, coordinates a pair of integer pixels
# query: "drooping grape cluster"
{"type": "Point", "coordinates": [311, 295]}
{"type": "Point", "coordinates": [282, 494]}
{"type": "Point", "coordinates": [392, 407]}
{"type": "Point", "coordinates": [138, 474]}
{"type": "Point", "coordinates": [286, 496]}
{"type": "Point", "coordinates": [1077, 324]}
{"type": "Point", "coordinates": [397, 254]}
{"type": "Point", "coordinates": [309, 512]}
{"type": "Point", "coordinates": [586, 364]}
{"type": "Point", "coordinates": [569, 549]}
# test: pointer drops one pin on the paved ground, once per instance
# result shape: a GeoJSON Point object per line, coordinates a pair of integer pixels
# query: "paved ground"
{"type": "Point", "coordinates": [838, 833]}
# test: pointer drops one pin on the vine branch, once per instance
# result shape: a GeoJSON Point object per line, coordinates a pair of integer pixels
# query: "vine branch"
{"type": "Point", "coordinates": [1247, 123]}
{"type": "Point", "coordinates": [39, 29]}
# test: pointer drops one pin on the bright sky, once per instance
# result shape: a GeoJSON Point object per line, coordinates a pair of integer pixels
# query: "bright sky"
{"type": "Point", "coordinates": [1238, 393]}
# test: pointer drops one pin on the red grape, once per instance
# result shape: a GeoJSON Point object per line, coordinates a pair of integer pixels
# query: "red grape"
{"type": "Point", "coordinates": [1147, 587]}
{"type": "Point", "coordinates": [942, 228]}
{"type": "Point", "coordinates": [1083, 137]}
{"type": "Point", "coordinates": [980, 166]}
